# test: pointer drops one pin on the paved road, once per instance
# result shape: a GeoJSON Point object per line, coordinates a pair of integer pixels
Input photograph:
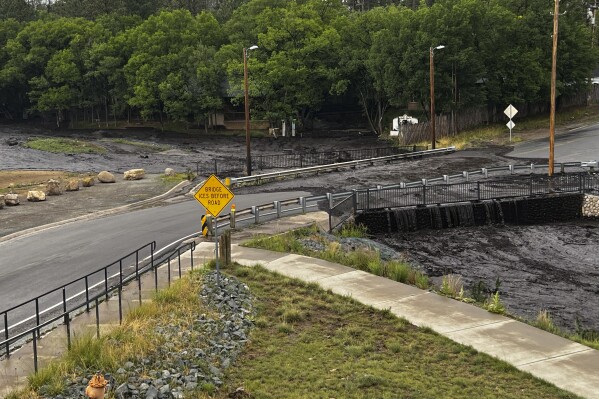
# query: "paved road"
{"type": "Point", "coordinates": [53, 257]}
{"type": "Point", "coordinates": [581, 144]}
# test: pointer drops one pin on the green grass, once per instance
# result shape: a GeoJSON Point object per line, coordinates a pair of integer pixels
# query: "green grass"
{"type": "Point", "coordinates": [64, 146]}
{"type": "Point", "coordinates": [148, 147]}
{"type": "Point", "coordinates": [135, 338]}
{"type": "Point", "coordinates": [365, 259]}
{"type": "Point", "coordinates": [368, 260]}
{"type": "Point", "coordinates": [339, 348]}
{"type": "Point", "coordinates": [307, 343]}
{"type": "Point", "coordinates": [177, 178]}
{"type": "Point", "coordinates": [352, 230]}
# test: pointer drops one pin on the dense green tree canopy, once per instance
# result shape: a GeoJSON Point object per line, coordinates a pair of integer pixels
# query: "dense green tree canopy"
{"type": "Point", "coordinates": [183, 60]}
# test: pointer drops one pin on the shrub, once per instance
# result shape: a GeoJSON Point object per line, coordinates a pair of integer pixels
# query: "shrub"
{"type": "Point", "coordinates": [421, 281]}
{"type": "Point", "coordinates": [479, 291]}
{"type": "Point", "coordinates": [352, 230]}
{"type": "Point", "coordinates": [545, 322]}
{"type": "Point", "coordinates": [398, 271]}
{"type": "Point", "coordinates": [452, 285]}
{"type": "Point", "coordinates": [494, 304]}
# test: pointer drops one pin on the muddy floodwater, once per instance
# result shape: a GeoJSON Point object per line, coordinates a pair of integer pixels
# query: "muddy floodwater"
{"type": "Point", "coordinates": [551, 267]}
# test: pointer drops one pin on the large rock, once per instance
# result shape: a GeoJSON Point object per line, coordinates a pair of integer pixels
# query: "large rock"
{"type": "Point", "coordinates": [53, 187]}
{"type": "Point", "coordinates": [36, 196]}
{"type": "Point", "coordinates": [12, 199]}
{"type": "Point", "coordinates": [1, 201]}
{"type": "Point", "coordinates": [169, 172]}
{"type": "Point", "coordinates": [73, 185]}
{"type": "Point", "coordinates": [106, 177]}
{"type": "Point", "coordinates": [88, 181]}
{"type": "Point", "coordinates": [135, 174]}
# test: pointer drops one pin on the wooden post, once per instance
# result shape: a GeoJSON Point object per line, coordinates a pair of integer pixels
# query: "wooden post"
{"type": "Point", "coordinates": [225, 248]}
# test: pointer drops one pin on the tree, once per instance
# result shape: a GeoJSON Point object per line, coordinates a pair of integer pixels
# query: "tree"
{"type": "Point", "coordinates": [16, 9]}
{"type": "Point", "coordinates": [374, 46]}
{"type": "Point", "coordinates": [11, 98]}
{"type": "Point", "coordinates": [43, 56]}
{"type": "Point", "coordinates": [169, 51]}
{"type": "Point", "coordinates": [293, 71]}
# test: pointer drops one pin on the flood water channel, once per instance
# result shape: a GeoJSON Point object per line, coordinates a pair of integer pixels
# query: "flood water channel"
{"type": "Point", "coordinates": [553, 267]}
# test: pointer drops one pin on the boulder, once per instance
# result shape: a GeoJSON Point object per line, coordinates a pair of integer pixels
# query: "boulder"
{"type": "Point", "coordinates": [135, 174]}
{"type": "Point", "coordinates": [88, 181]}
{"type": "Point", "coordinates": [73, 185]}
{"type": "Point", "coordinates": [1, 201]}
{"type": "Point", "coordinates": [106, 177]}
{"type": "Point", "coordinates": [169, 172]}
{"type": "Point", "coordinates": [11, 199]}
{"type": "Point", "coordinates": [53, 187]}
{"type": "Point", "coordinates": [36, 196]}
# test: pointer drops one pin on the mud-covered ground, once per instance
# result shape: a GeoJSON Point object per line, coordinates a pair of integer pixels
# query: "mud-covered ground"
{"type": "Point", "coordinates": [155, 150]}
{"type": "Point", "coordinates": [551, 267]}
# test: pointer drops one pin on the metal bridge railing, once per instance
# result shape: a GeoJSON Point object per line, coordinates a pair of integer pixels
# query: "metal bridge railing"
{"type": "Point", "coordinates": [516, 186]}
{"type": "Point", "coordinates": [299, 160]}
{"type": "Point", "coordinates": [31, 318]}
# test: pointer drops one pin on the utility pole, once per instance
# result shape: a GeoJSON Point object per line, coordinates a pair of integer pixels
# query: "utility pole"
{"type": "Point", "coordinates": [247, 109]}
{"type": "Point", "coordinates": [553, 78]}
{"type": "Point", "coordinates": [432, 84]}
{"type": "Point", "coordinates": [591, 15]}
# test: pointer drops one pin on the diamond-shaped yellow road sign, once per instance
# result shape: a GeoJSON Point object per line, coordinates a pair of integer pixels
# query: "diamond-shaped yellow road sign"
{"type": "Point", "coordinates": [214, 196]}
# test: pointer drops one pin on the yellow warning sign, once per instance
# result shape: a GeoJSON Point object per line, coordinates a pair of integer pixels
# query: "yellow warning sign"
{"type": "Point", "coordinates": [214, 196]}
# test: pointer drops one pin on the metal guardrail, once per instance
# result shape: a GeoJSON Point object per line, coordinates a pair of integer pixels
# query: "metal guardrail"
{"type": "Point", "coordinates": [259, 213]}
{"type": "Point", "coordinates": [397, 197]}
{"type": "Point", "coordinates": [60, 312]}
{"type": "Point", "coordinates": [299, 160]}
{"type": "Point", "coordinates": [340, 165]}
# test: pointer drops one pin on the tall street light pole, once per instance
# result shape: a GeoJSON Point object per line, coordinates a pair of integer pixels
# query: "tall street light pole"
{"type": "Point", "coordinates": [432, 82]}
{"type": "Point", "coordinates": [247, 109]}
{"type": "Point", "coordinates": [553, 78]}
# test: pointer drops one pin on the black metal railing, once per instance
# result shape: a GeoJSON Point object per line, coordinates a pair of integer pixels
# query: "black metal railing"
{"type": "Point", "coordinates": [340, 212]}
{"type": "Point", "coordinates": [301, 160]}
{"type": "Point", "coordinates": [27, 324]}
{"type": "Point", "coordinates": [398, 197]}
{"type": "Point", "coordinates": [235, 167]}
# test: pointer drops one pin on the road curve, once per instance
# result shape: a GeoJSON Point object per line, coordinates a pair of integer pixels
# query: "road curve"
{"type": "Point", "coordinates": [49, 258]}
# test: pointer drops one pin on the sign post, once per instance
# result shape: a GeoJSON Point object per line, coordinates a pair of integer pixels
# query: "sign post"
{"type": "Point", "coordinates": [510, 111]}
{"type": "Point", "coordinates": [214, 196]}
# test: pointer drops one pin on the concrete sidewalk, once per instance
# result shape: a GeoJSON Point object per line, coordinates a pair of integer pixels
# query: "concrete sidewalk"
{"type": "Point", "coordinates": [566, 364]}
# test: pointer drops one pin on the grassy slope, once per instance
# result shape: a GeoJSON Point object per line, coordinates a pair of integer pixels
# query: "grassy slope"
{"type": "Point", "coordinates": [307, 343]}
{"type": "Point", "coordinates": [313, 344]}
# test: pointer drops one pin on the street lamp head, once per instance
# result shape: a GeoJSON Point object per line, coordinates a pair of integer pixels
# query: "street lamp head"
{"type": "Point", "coordinates": [440, 47]}
{"type": "Point", "coordinates": [254, 47]}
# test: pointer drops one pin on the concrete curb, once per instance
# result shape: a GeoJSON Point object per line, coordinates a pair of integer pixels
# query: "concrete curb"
{"type": "Point", "coordinates": [95, 215]}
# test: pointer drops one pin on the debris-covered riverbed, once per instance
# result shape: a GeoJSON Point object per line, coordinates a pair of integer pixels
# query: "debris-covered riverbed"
{"type": "Point", "coordinates": [551, 267]}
